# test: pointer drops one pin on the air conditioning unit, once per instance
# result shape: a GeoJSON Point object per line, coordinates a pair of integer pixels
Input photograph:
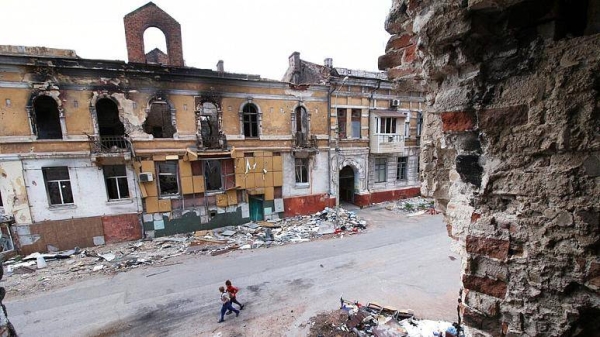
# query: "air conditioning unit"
{"type": "Point", "coordinates": [395, 103]}
{"type": "Point", "coordinates": [146, 177]}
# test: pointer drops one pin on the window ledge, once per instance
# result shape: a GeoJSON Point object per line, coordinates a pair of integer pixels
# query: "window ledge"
{"type": "Point", "coordinates": [119, 201]}
{"type": "Point", "coordinates": [302, 185]}
{"type": "Point", "coordinates": [60, 207]}
{"type": "Point", "coordinates": [169, 197]}
{"type": "Point", "coordinates": [214, 192]}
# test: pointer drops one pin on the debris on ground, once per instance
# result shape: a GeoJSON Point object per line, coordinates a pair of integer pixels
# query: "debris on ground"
{"type": "Point", "coordinates": [43, 271]}
{"type": "Point", "coordinates": [411, 206]}
{"type": "Point", "coordinates": [355, 319]}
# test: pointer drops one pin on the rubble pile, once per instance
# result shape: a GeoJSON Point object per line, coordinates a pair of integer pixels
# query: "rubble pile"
{"type": "Point", "coordinates": [381, 321]}
{"type": "Point", "coordinates": [411, 206]}
{"type": "Point", "coordinates": [40, 272]}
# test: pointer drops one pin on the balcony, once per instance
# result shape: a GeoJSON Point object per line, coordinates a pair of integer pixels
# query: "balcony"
{"type": "Point", "coordinates": [109, 144]}
{"type": "Point", "coordinates": [387, 143]}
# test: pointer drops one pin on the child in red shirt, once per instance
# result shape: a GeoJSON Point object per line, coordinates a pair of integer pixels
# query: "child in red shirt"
{"type": "Point", "coordinates": [232, 295]}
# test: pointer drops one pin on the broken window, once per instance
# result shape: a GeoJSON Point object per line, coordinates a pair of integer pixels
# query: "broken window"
{"type": "Point", "coordinates": [168, 183]}
{"type": "Point", "coordinates": [159, 122]}
{"type": "Point", "coordinates": [1, 202]}
{"type": "Point", "coordinates": [110, 127]}
{"type": "Point", "coordinates": [387, 125]}
{"type": "Point", "coordinates": [209, 128]}
{"type": "Point", "coordinates": [401, 168]}
{"type": "Point", "coordinates": [356, 123]}
{"type": "Point", "coordinates": [58, 185]}
{"type": "Point", "coordinates": [47, 118]}
{"type": "Point", "coordinates": [301, 170]}
{"type": "Point", "coordinates": [115, 177]}
{"type": "Point", "coordinates": [380, 170]}
{"type": "Point", "coordinates": [341, 119]}
{"type": "Point", "coordinates": [250, 116]}
{"type": "Point", "coordinates": [301, 117]}
{"type": "Point", "coordinates": [212, 175]}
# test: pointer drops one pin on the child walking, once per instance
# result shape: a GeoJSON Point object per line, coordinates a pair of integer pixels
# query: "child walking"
{"type": "Point", "coordinates": [233, 295]}
{"type": "Point", "coordinates": [226, 304]}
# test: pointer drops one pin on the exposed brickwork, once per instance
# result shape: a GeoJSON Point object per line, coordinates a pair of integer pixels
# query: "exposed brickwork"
{"type": "Point", "coordinates": [458, 121]}
{"type": "Point", "coordinates": [509, 151]}
{"type": "Point", "coordinates": [147, 16]}
{"type": "Point", "coordinates": [120, 228]}
{"type": "Point", "coordinates": [497, 249]}
{"type": "Point", "coordinates": [485, 285]}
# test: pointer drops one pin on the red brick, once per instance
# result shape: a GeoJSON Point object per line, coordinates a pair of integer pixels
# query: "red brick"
{"type": "Point", "coordinates": [475, 216]}
{"type": "Point", "coordinates": [494, 248]}
{"type": "Point", "coordinates": [397, 73]}
{"type": "Point", "coordinates": [458, 121]}
{"type": "Point", "coordinates": [485, 285]}
{"type": "Point", "coordinates": [391, 59]}
{"type": "Point", "coordinates": [147, 16]}
{"type": "Point", "coordinates": [119, 228]}
{"type": "Point", "coordinates": [399, 41]}
{"type": "Point", "coordinates": [503, 117]}
{"type": "Point", "coordinates": [410, 54]}
{"type": "Point", "coordinates": [307, 204]}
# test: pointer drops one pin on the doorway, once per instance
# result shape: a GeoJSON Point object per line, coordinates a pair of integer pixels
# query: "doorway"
{"type": "Point", "coordinates": [347, 184]}
{"type": "Point", "coordinates": [256, 207]}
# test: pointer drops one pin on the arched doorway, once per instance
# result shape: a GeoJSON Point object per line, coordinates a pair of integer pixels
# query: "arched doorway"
{"type": "Point", "coordinates": [111, 129]}
{"type": "Point", "coordinates": [347, 184]}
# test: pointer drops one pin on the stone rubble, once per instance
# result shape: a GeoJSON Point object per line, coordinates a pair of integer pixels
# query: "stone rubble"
{"type": "Point", "coordinates": [410, 206]}
{"type": "Point", "coordinates": [23, 277]}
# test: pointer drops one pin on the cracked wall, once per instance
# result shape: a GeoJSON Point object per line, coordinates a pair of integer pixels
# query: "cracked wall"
{"type": "Point", "coordinates": [511, 152]}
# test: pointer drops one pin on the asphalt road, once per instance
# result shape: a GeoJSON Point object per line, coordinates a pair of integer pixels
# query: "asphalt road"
{"type": "Point", "coordinates": [399, 261]}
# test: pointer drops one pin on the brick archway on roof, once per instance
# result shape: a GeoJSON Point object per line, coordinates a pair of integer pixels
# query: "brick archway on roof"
{"type": "Point", "coordinates": [145, 17]}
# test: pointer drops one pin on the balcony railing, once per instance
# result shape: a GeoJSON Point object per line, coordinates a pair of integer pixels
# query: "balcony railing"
{"type": "Point", "coordinates": [304, 141]}
{"type": "Point", "coordinates": [212, 142]}
{"type": "Point", "coordinates": [387, 142]}
{"type": "Point", "coordinates": [109, 144]}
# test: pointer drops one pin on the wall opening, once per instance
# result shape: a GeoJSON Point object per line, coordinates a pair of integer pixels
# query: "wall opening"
{"type": "Point", "coordinates": [301, 117]}
{"type": "Point", "coordinates": [347, 184]}
{"type": "Point", "coordinates": [250, 121]}
{"type": "Point", "coordinates": [209, 124]}
{"type": "Point", "coordinates": [155, 46]}
{"type": "Point", "coordinates": [110, 128]}
{"type": "Point", "coordinates": [159, 122]}
{"type": "Point", "coordinates": [47, 118]}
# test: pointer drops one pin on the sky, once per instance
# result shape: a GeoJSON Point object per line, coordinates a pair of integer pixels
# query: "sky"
{"type": "Point", "coordinates": [250, 36]}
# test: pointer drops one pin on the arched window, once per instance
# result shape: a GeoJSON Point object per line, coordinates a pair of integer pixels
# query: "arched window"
{"type": "Point", "coordinates": [209, 124]}
{"type": "Point", "coordinates": [250, 119]}
{"type": "Point", "coordinates": [155, 46]}
{"type": "Point", "coordinates": [111, 129]}
{"type": "Point", "coordinates": [159, 122]}
{"type": "Point", "coordinates": [47, 118]}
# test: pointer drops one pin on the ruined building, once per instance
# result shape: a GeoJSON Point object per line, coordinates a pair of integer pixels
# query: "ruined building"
{"type": "Point", "coordinates": [374, 133]}
{"type": "Point", "coordinates": [95, 151]}
{"type": "Point", "coordinates": [511, 152]}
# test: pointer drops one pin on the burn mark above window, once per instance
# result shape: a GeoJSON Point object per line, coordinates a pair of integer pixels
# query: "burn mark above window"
{"type": "Point", "coordinates": [159, 122]}
{"type": "Point", "coordinates": [47, 118]}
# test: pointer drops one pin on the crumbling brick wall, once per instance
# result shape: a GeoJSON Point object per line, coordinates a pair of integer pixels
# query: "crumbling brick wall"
{"type": "Point", "coordinates": [511, 153]}
{"type": "Point", "coordinates": [145, 17]}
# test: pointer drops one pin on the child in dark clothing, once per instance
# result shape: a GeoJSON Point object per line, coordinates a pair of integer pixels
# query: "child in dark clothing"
{"type": "Point", "coordinates": [232, 295]}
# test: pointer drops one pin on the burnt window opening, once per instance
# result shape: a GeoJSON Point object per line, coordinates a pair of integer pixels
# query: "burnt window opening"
{"type": "Point", "coordinates": [301, 170]}
{"type": "Point", "coordinates": [356, 115]}
{"type": "Point", "coordinates": [209, 124]}
{"type": "Point", "coordinates": [47, 118]}
{"type": "Point", "coordinates": [574, 18]}
{"type": "Point", "coordinates": [341, 120]}
{"type": "Point", "coordinates": [159, 122]}
{"type": "Point", "coordinates": [168, 181]}
{"type": "Point", "coordinates": [250, 119]}
{"type": "Point", "coordinates": [115, 177]}
{"type": "Point", "coordinates": [212, 175]}
{"type": "Point", "coordinates": [58, 185]}
{"type": "Point", "coordinates": [110, 128]}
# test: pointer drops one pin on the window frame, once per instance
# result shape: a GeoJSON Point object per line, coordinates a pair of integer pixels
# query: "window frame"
{"type": "Point", "coordinates": [355, 123]}
{"type": "Point", "coordinates": [381, 170]}
{"type": "Point", "coordinates": [160, 175]}
{"type": "Point", "coordinates": [118, 179]}
{"type": "Point", "coordinates": [61, 189]}
{"type": "Point", "coordinates": [402, 168]}
{"type": "Point", "coordinates": [250, 121]}
{"type": "Point", "coordinates": [301, 177]}
{"type": "Point", "coordinates": [342, 118]}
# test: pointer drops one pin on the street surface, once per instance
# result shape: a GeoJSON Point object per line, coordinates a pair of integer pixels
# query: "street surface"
{"type": "Point", "coordinates": [399, 261]}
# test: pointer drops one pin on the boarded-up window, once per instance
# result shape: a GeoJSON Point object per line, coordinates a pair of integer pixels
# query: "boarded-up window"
{"type": "Point", "coordinates": [47, 118]}
{"type": "Point", "coordinates": [115, 177]}
{"type": "Point", "coordinates": [159, 122]}
{"type": "Point", "coordinates": [168, 184]}
{"type": "Point", "coordinates": [58, 185]}
{"type": "Point", "coordinates": [250, 116]}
